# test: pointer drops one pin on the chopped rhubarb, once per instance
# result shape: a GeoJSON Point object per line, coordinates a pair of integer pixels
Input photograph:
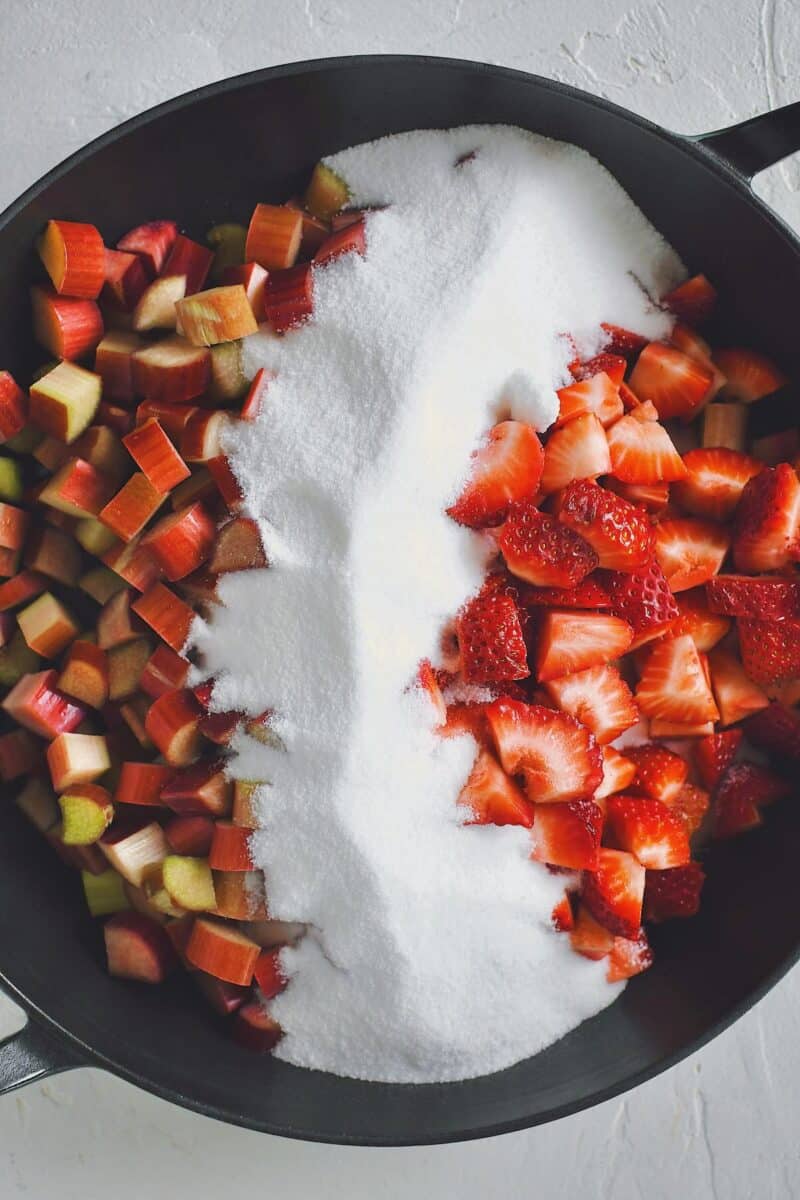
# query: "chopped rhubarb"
{"type": "Point", "coordinates": [181, 542]}
{"type": "Point", "coordinates": [127, 513]}
{"type": "Point", "coordinates": [152, 242]}
{"type": "Point", "coordinates": [273, 237]}
{"type": "Point", "coordinates": [64, 401]}
{"type": "Point", "coordinates": [190, 259]}
{"type": "Point", "coordinates": [222, 951]}
{"type": "Point", "coordinates": [172, 370]}
{"type": "Point", "coordinates": [200, 788]}
{"type": "Point", "coordinates": [87, 812]}
{"type": "Point", "coordinates": [289, 297]}
{"type": "Point", "coordinates": [138, 948]}
{"type": "Point", "coordinates": [220, 314]}
{"type": "Point", "coordinates": [74, 257]}
{"type": "Point", "coordinates": [155, 455]}
{"type": "Point", "coordinates": [35, 704]}
{"type": "Point", "coordinates": [67, 328]}
{"type": "Point", "coordinates": [166, 614]}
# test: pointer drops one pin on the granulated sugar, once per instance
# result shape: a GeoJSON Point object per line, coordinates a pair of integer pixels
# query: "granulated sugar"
{"type": "Point", "coordinates": [430, 953]}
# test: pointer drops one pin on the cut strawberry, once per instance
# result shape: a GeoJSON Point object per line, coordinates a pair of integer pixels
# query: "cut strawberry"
{"type": "Point", "coordinates": [736, 695]}
{"type": "Point", "coordinates": [465, 719]}
{"type": "Point", "coordinates": [589, 938]}
{"type": "Point", "coordinates": [614, 366]}
{"type": "Point", "coordinates": [491, 641]}
{"type": "Point", "coordinates": [652, 496]}
{"type": "Point", "coordinates": [660, 773]}
{"type": "Point", "coordinates": [289, 297]}
{"type": "Point", "coordinates": [596, 394]}
{"type": "Point", "coordinates": [677, 385]}
{"type": "Point", "coordinates": [579, 450]}
{"type": "Point", "coordinates": [690, 551]}
{"type": "Point", "coordinates": [567, 835]}
{"type": "Point", "coordinates": [691, 805]}
{"type": "Point", "coordinates": [749, 375]}
{"type": "Point", "coordinates": [744, 788]}
{"type": "Point", "coordinates": [573, 641]}
{"type": "Point", "coordinates": [715, 481]}
{"type": "Point", "coordinates": [697, 620]}
{"type": "Point", "coordinates": [589, 593]}
{"type": "Point", "coordinates": [776, 731]}
{"type": "Point", "coordinates": [673, 684]}
{"type": "Point", "coordinates": [557, 755]}
{"type": "Point", "coordinates": [492, 798]}
{"type": "Point", "coordinates": [506, 468]}
{"type": "Point", "coordinates": [766, 528]}
{"type": "Point", "coordinates": [599, 698]}
{"type": "Point", "coordinates": [767, 598]}
{"type": "Point", "coordinates": [650, 830]}
{"type": "Point", "coordinates": [152, 241]}
{"type": "Point", "coordinates": [643, 599]}
{"type": "Point", "coordinates": [629, 957]}
{"type": "Point", "coordinates": [562, 916]}
{"type": "Point", "coordinates": [542, 550]}
{"type": "Point", "coordinates": [619, 533]}
{"type": "Point", "coordinates": [613, 893]}
{"type": "Point", "coordinates": [619, 772]}
{"type": "Point", "coordinates": [713, 755]}
{"type": "Point", "coordinates": [252, 277]}
{"type": "Point", "coordinates": [692, 301]}
{"type": "Point", "coordinates": [770, 650]}
{"type": "Point", "coordinates": [673, 893]}
{"type": "Point", "coordinates": [622, 341]}
{"type": "Point", "coordinates": [642, 452]}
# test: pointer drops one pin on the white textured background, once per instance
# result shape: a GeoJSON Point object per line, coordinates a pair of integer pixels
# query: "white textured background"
{"type": "Point", "coordinates": [723, 1124]}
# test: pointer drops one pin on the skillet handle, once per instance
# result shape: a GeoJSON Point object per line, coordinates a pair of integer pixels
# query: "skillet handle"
{"type": "Point", "coordinates": [758, 143]}
{"type": "Point", "coordinates": [32, 1054]}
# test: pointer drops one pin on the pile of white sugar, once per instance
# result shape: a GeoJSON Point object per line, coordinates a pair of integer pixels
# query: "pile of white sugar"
{"type": "Point", "coordinates": [430, 953]}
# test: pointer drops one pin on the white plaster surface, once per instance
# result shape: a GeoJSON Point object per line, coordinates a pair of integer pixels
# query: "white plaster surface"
{"type": "Point", "coordinates": [724, 1124]}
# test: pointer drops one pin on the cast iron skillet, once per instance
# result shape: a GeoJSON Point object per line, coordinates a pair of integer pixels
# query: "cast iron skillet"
{"type": "Point", "coordinates": [208, 157]}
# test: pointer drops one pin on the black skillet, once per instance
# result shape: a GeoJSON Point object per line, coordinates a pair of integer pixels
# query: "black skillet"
{"type": "Point", "coordinates": [206, 157]}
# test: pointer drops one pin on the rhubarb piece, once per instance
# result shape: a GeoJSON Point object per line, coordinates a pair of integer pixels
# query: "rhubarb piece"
{"type": "Point", "coordinates": [100, 583]}
{"type": "Point", "coordinates": [273, 236]}
{"type": "Point", "coordinates": [87, 812]}
{"type": "Point", "coordinates": [221, 314]}
{"type": "Point", "coordinates": [651, 831]}
{"type": "Point", "coordinates": [105, 894]}
{"type": "Point", "coordinates": [173, 723]}
{"type": "Point", "coordinates": [599, 698]}
{"type": "Point", "coordinates": [579, 450]}
{"type": "Point", "coordinates": [614, 892]}
{"type": "Point", "coordinates": [95, 537]}
{"type": "Point", "coordinates": [47, 626]}
{"type": "Point", "coordinates": [138, 948]}
{"type": "Point", "coordinates": [189, 882]}
{"type": "Point", "coordinates": [64, 401]}
{"type": "Point", "coordinates": [155, 455]}
{"type": "Point", "coordinates": [164, 671]}
{"type": "Point", "coordinates": [125, 277]}
{"type": "Point", "coordinates": [254, 1029]}
{"type": "Point", "coordinates": [244, 803]}
{"type": "Point", "coordinates": [14, 524]}
{"type": "Point", "coordinates": [228, 381]}
{"type": "Point", "coordinates": [20, 754]}
{"type": "Point", "coordinates": [50, 453]}
{"type": "Point", "coordinates": [166, 614]}
{"type": "Point", "coordinates": [182, 542]}
{"type": "Point", "coordinates": [256, 395]}
{"type": "Point", "coordinates": [770, 650]}
{"type": "Point", "coordinates": [558, 756]}
{"type": "Point", "coordinates": [10, 477]}
{"type": "Point", "coordinates": [620, 534]}
{"type": "Point", "coordinates": [690, 551]}
{"type": "Point", "coordinates": [221, 472]}
{"type": "Point", "coordinates": [673, 685]}
{"type": "Point", "coordinates": [190, 835]}
{"type": "Point", "coordinates": [227, 242]}
{"type": "Point", "coordinates": [352, 239]}
{"type": "Point", "coordinates": [67, 328]}
{"type": "Point", "coordinates": [84, 675]}
{"type": "Point", "coordinates": [39, 805]}
{"type": "Point", "coordinates": [542, 550]}
{"type": "Point", "coordinates": [115, 418]}
{"type": "Point", "coordinates": [766, 528]}
{"type": "Point", "coordinates": [131, 850]}
{"type": "Point", "coordinates": [289, 297]}
{"type": "Point", "coordinates": [132, 562]}
{"type": "Point", "coordinates": [200, 788]}
{"type": "Point", "coordinates": [238, 547]}
{"type": "Point", "coordinates": [189, 259]}
{"type": "Point", "coordinates": [115, 626]}
{"type": "Point", "coordinates": [125, 666]}
{"type": "Point", "coordinates": [77, 758]}
{"type": "Point", "coordinates": [736, 695]}
{"type": "Point", "coordinates": [141, 783]}
{"type": "Point", "coordinates": [221, 950]}
{"type": "Point", "coordinates": [35, 704]}
{"type": "Point", "coordinates": [491, 641]}
{"type": "Point", "coordinates": [269, 974]}
{"type": "Point", "coordinates": [269, 933]}
{"type": "Point", "coordinates": [16, 660]}
{"type": "Point", "coordinates": [724, 426]}
{"type": "Point", "coordinates": [77, 489]}
{"type": "Point", "coordinates": [113, 363]}
{"type": "Point", "coordinates": [567, 835]}
{"type": "Point", "coordinates": [127, 513]}
{"type": "Point", "coordinates": [240, 895]}
{"type": "Point", "coordinates": [252, 277]}
{"type": "Point", "coordinates": [201, 438]}
{"type": "Point", "coordinates": [172, 370]}
{"type": "Point", "coordinates": [157, 305]}
{"type": "Point", "coordinates": [13, 408]}
{"type": "Point", "coordinates": [73, 255]}
{"type": "Point", "coordinates": [676, 384]}
{"type": "Point", "coordinates": [327, 193]}
{"type": "Point", "coordinates": [152, 242]}
{"type": "Point", "coordinates": [574, 641]}
{"type": "Point", "coordinates": [172, 417]}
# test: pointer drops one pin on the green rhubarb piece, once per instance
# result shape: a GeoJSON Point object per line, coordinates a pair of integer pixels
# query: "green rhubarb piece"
{"type": "Point", "coordinates": [189, 882]}
{"type": "Point", "coordinates": [227, 241]}
{"type": "Point", "coordinates": [10, 479]}
{"type": "Point", "coordinates": [26, 441]}
{"type": "Point", "coordinates": [95, 537]}
{"type": "Point", "coordinates": [101, 583]}
{"type": "Point", "coordinates": [16, 659]}
{"type": "Point", "coordinates": [105, 894]}
{"type": "Point", "coordinates": [327, 193]}
{"type": "Point", "coordinates": [228, 381]}
{"type": "Point", "coordinates": [86, 817]}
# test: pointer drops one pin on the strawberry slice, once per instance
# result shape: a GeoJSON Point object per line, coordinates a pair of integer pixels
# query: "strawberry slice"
{"type": "Point", "coordinates": [690, 551]}
{"type": "Point", "coordinates": [589, 593]}
{"type": "Point", "coordinates": [573, 641]}
{"type": "Point", "coordinates": [589, 938]}
{"type": "Point", "coordinates": [619, 772]}
{"type": "Point", "coordinates": [541, 550]}
{"type": "Point", "coordinates": [692, 301]}
{"type": "Point", "coordinates": [660, 773]}
{"type": "Point", "coordinates": [713, 755]}
{"type": "Point", "coordinates": [673, 893]}
{"type": "Point", "coordinates": [629, 957]}
{"type": "Point", "coordinates": [622, 341]}
{"type": "Point", "coordinates": [691, 805]}
{"type": "Point", "coordinates": [596, 394]}
{"type": "Point", "coordinates": [744, 789]}
{"type": "Point", "coordinates": [651, 831]}
{"type": "Point", "coordinates": [599, 698]}
{"type": "Point", "coordinates": [493, 798]}
{"type": "Point", "coordinates": [673, 684]}
{"type": "Point", "coordinates": [776, 730]}
{"type": "Point", "coordinates": [620, 534]}
{"type": "Point", "coordinates": [614, 366]}
{"type": "Point", "coordinates": [767, 521]}
{"type": "Point", "coordinates": [506, 468]}
{"type": "Point", "coordinates": [490, 640]}
{"type": "Point", "coordinates": [767, 598]}
{"type": "Point", "coordinates": [661, 729]}
{"type": "Point", "coordinates": [643, 599]}
{"type": "Point", "coordinates": [770, 650]}
{"type": "Point", "coordinates": [567, 835]}
{"type": "Point", "coordinates": [557, 755]}
{"type": "Point", "coordinates": [579, 450]}
{"type": "Point", "coordinates": [677, 384]}
{"type": "Point", "coordinates": [614, 892]}
{"type": "Point", "coordinates": [642, 452]}
{"type": "Point", "coordinates": [562, 916]}
{"type": "Point", "coordinates": [749, 375]}
{"type": "Point", "coordinates": [652, 496]}
{"type": "Point", "coordinates": [465, 719]}
{"type": "Point", "coordinates": [697, 620]}
{"type": "Point", "coordinates": [715, 481]}
{"type": "Point", "coordinates": [736, 695]}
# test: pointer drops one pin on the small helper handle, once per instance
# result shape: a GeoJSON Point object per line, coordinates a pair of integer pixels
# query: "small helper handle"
{"type": "Point", "coordinates": [32, 1054]}
{"type": "Point", "coordinates": [758, 143]}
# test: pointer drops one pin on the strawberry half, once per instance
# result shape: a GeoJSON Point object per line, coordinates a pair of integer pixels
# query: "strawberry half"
{"type": "Point", "coordinates": [749, 375]}
{"type": "Point", "coordinates": [692, 301]}
{"type": "Point", "coordinates": [713, 755]}
{"type": "Point", "coordinates": [744, 789]}
{"type": "Point", "coordinates": [493, 798]}
{"type": "Point", "coordinates": [714, 483]}
{"type": "Point", "coordinates": [620, 534]}
{"type": "Point", "coordinates": [629, 957]}
{"type": "Point", "coordinates": [652, 496]}
{"type": "Point", "coordinates": [557, 755]}
{"type": "Point", "coordinates": [573, 641]}
{"type": "Point", "coordinates": [622, 341]}
{"type": "Point", "coordinates": [673, 684]}
{"type": "Point", "coordinates": [642, 452]}
{"type": "Point", "coordinates": [506, 468]}
{"type": "Point", "coordinates": [690, 551]}
{"type": "Point", "coordinates": [673, 893]}
{"type": "Point", "coordinates": [541, 550]}
{"type": "Point", "coordinates": [767, 521]}
{"type": "Point", "coordinates": [776, 730]}
{"type": "Point", "coordinates": [490, 640]}
{"type": "Point", "coordinates": [770, 650]}
{"type": "Point", "coordinates": [596, 394]}
{"type": "Point", "coordinates": [579, 450]}
{"type": "Point", "coordinates": [599, 698]}
{"type": "Point", "coordinates": [643, 599]}
{"type": "Point", "coordinates": [675, 383]}
{"type": "Point", "coordinates": [589, 938]}
{"type": "Point", "coordinates": [619, 772]}
{"type": "Point", "coordinates": [697, 620]}
{"type": "Point", "coordinates": [567, 835]}
{"type": "Point", "coordinates": [651, 831]}
{"type": "Point", "coordinates": [660, 773]}
{"type": "Point", "coordinates": [589, 593]}
{"type": "Point", "coordinates": [767, 598]}
{"type": "Point", "coordinates": [734, 691]}
{"type": "Point", "coordinates": [614, 366]}
{"type": "Point", "coordinates": [691, 805]}
{"type": "Point", "coordinates": [614, 892]}
{"type": "Point", "coordinates": [562, 916]}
